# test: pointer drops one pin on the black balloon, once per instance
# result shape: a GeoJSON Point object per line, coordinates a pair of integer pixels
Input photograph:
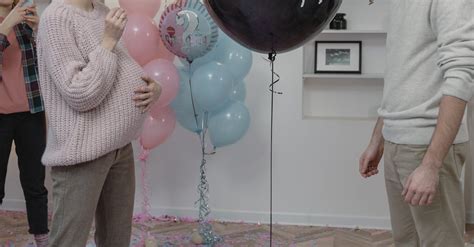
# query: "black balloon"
{"type": "Point", "coordinates": [272, 25]}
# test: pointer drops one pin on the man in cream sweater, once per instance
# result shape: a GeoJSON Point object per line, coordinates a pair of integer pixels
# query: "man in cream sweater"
{"type": "Point", "coordinates": [421, 130]}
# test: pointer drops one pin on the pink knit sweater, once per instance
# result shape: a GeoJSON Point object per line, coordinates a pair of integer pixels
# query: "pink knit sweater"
{"type": "Point", "coordinates": [87, 89]}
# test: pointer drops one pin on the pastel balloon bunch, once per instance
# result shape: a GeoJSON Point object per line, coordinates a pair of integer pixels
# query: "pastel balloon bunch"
{"type": "Point", "coordinates": [212, 90]}
{"type": "Point", "coordinates": [218, 89]}
{"type": "Point", "coordinates": [142, 40]}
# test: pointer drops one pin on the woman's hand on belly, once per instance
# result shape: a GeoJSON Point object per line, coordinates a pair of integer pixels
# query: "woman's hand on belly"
{"type": "Point", "coordinates": [147, 95]}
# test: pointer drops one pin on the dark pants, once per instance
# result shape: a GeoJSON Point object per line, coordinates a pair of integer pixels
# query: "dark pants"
{"type": "Point", "coordinates": [29, 133]}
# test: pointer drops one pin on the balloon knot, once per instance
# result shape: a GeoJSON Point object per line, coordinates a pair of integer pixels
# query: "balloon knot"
{"type": "Point", "coordinates": [144, 154]}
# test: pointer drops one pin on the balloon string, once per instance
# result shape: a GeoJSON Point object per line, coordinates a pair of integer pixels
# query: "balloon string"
{"type": "Point", "coordinates": [205, 228]}
{"type": "Point", "coordinates": [275, 79]}
{"type": "Point", "coordinates": [192, 98]}
{"type": "Point", "coordinates": [145, 214]}
{"type": "Point", "coordinates": [272, 58]}
{"type": "Point", "coordinates": [144, 154]}
{"type": "Point", "coordinates": [203, 126]}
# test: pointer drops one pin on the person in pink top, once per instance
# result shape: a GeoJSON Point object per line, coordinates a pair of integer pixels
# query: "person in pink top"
{"type": "Point", "coordinates": [22, 117]}
{"type": "Point", "coordinates": [96, 98]}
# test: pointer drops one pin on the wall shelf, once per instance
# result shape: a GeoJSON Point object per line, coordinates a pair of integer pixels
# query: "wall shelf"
{"type": "Point", "coordinates": [345, 76]}
{"type": "Point", "coordinates": [369, 119]}
{"type": "Point", "coordinates": [380, 31]}
{"type": "Point", "coordinates": [345, 97]}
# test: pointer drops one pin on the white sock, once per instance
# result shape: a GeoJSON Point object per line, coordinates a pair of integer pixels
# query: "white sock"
{"type": "Point", "coordinates": [42, 240]}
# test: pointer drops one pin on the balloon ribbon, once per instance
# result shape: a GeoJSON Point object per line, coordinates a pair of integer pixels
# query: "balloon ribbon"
{"type": "Point", "coordinates": [275, 80]}
{"type": "Point", "coordinates": [208, 235]}
{"type": "Point", "coordinates": [144, 215]}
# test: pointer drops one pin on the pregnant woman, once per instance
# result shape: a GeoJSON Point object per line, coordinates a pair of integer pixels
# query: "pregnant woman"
{"type": "Point", "coordinates": [95, 98]}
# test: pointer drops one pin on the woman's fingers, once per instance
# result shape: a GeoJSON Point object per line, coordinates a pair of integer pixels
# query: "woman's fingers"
{"type": "Point", "coordinates": [147, 108]}
{"type": "Point", "coordinates": [32, 11]}
{"type": "Point", "coordinates": [145, 89]}
{"type": "Point", "coordinates": [142, 96]}
{"type": "Point", "coordinates": [111, 13]}
{"type": "Point", "coordinates": [144, 103]}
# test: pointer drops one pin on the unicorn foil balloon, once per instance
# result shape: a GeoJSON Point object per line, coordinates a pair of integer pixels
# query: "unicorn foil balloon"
{"type": "Point", "coordinates": [187, 30]}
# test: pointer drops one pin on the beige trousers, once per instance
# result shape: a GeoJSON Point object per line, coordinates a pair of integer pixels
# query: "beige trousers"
{"type": "Point", "coordinates": [439, 224]}
{"type": "Point", "coordinates": [105, 188]}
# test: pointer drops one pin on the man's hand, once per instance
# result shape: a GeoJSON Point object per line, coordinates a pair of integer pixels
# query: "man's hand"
{"type": "Point", "coordinates": [370, 160]}
{"type": "Point", "coordinates": [420, 188]}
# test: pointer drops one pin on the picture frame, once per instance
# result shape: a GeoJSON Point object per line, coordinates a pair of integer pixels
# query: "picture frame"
{"type": "Point", "coordinates": [338, 57]}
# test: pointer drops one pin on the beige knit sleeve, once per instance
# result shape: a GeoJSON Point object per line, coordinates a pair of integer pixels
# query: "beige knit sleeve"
{"type": "Point", "coordinates": [83, 83]}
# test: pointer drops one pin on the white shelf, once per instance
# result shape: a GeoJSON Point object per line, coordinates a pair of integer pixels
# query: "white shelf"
{"type": "Point", "coordinates": [371, 118]}
{"type": "Point", "coordinates": [345, 76]}
{"type": "Point", "coordinates": [342, 97]}
{"type": "Point", "coordinates": [329, 31]}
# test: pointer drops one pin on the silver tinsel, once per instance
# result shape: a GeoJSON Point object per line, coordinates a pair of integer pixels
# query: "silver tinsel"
{"type": "Point", "coordinates": [208, 235]}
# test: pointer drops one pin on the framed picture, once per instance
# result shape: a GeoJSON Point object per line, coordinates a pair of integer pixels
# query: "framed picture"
{"type": "Point", "coordinates": [338, 57]}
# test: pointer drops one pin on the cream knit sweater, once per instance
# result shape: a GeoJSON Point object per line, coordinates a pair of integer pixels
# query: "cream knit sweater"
{"type": "Point", "coordinates": [87, 90]}
{"type": "Point", "coordinates": [430, 54]}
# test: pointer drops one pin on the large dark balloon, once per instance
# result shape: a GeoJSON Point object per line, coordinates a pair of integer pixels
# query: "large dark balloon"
{"type": "Point", "coordinates": [266, 25]}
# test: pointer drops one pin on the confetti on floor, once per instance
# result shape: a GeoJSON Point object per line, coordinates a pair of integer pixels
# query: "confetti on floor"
{"type": "Point", "coordinates": [171, 231]}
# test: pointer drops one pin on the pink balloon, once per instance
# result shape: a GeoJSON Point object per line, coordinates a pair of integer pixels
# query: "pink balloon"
{"type": "Point", "coordinates": [164, 53]}
{"type": "Point", "coordinates": [144, 7]}
{"type": "Point", "coordinates": [165, 73]}
{"type": "Point", "coordinates": [142, 39]}
{"type": "Point", "coordinates": [157, 129]}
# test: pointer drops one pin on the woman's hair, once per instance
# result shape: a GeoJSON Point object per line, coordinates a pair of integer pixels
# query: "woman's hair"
{"type": "Point", "coordinates": [14, 3]}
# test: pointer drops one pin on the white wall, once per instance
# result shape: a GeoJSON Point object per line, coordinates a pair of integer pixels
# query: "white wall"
{"type": "Point", "coordinates": [316, 177]}
{"type": "Point", "coordinates": [316, 163]}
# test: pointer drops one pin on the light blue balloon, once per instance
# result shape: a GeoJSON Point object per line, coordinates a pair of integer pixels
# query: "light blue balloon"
{"type": "Point", "coordinates": [188, 121]}
{"type": "Point", "coordinates": [183, 74]}
{"type": "Point", "coordinates": [198, 62]}
{"type": "Point", "coordinates": [183, 101]}
{"type": "Point", "coordinates": [212, 86]}
{"type": "Point", "coordinates": [236, 57]}
{"type": "Point", "coordinates": [239, 92]}
{"type": "Point", "coordinates": [230, 125]}
{"type": "Point", "coordinates": [182, 104]}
